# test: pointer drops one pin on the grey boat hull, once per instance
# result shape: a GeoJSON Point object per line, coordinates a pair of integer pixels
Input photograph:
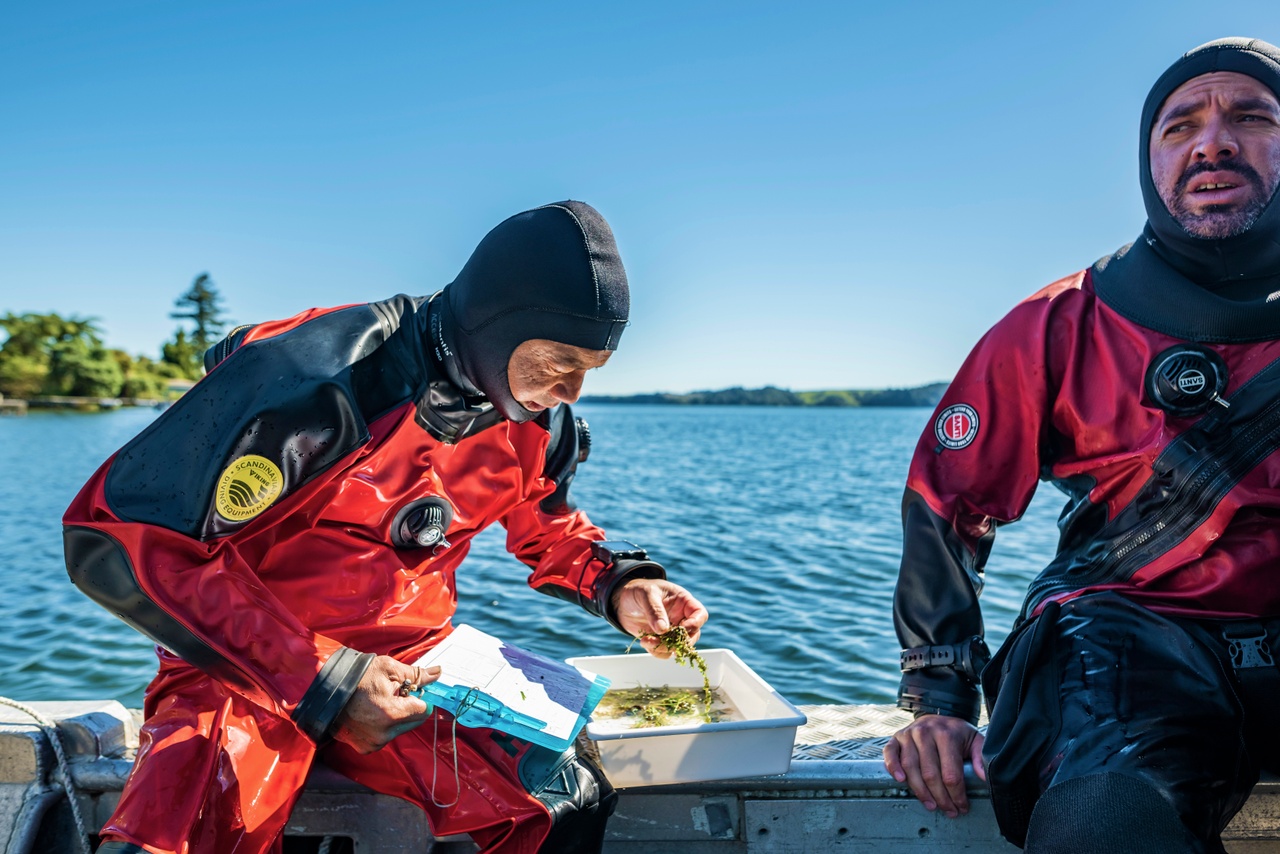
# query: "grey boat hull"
{"type": "Point", "coordinates": [836, 797]}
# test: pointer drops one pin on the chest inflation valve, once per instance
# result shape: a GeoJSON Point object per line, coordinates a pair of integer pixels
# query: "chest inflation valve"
{"type": "Point", "coordinates": [422, 524]}
{"type": "Point", "coordinates": [1186, 380]}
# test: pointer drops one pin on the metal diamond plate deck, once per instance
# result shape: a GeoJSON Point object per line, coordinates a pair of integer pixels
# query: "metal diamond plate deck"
{"type": "Point", "coordinates": [847, 732]}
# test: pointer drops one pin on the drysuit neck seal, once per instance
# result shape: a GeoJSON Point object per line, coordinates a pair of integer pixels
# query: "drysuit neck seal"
{"type": "Point", "coordinates": [444, 355]}
{"type": "Point", "coordinates": [1140, 284]}
{"type": "Point", "coordinates": [450, 408]}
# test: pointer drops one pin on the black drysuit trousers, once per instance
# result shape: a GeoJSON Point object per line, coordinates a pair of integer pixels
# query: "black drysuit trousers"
{"type": "Point", "coordinates": [1103, 686]}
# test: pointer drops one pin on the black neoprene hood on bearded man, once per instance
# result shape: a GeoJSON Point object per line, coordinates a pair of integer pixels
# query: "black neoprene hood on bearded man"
{"type": "Point", "coordinates": [1256, 252]}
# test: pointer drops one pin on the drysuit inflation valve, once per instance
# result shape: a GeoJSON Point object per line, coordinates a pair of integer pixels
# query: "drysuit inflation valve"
{"type": "Point", "coordinates": [1186, 379]}
{"type": "Point", "coordinates": [423, 524]}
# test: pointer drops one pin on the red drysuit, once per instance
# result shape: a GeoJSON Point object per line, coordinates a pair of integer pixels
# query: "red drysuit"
{"type": "Point", "coordinates": [262, 530]}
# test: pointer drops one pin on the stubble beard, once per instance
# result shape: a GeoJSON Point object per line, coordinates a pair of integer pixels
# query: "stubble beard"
{"type": "Point", "coordinates": [1216, 222]}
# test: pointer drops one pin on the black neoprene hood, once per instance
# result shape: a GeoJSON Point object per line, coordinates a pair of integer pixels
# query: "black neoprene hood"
{"type": "Point", "coordinates": [553, 273]}
{"type": "Point", "coordinates": [1256, 252]}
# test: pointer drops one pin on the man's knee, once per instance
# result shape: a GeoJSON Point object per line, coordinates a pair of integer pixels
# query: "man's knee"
{"type": "Point", "coordinates": [1105, 813]}
{"type": "Point", "coordinates": [579, 799]}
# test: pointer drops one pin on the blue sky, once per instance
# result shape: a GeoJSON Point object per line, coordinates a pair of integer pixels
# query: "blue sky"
{"type": "Point", "coordinates": [810, 195]}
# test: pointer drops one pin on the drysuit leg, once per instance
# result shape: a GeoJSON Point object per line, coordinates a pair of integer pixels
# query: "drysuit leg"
{"type": "Point", "coordinates": [574, 790]}
{"type": "Point", "coordinates": [1134, 693]}
{"type": "Point", "coordinates": [214, 772]}
{"type": "Point", "coordinates": [1106, 813]}
{"type": "Point", "coordinates": [509, 795]}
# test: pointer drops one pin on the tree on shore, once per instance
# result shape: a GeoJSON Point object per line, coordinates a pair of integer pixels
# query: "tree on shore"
{"type": "Point", "coordinates": [46, 354]}
{"type": "Point", "coordinates": [201, 304]}
{"type": "Point", "coordinates": [145, 378]}
{"type": "Point", "coordinates": [183, 355]}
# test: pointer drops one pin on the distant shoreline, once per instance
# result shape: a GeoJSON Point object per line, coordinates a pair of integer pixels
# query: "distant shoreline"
{"type": "Point", "coordinates": [925, 396]}
{"type": "Point", "coordinates": [917, 396]}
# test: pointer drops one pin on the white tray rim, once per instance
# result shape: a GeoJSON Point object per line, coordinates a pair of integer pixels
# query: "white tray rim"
{"type": "Point", "coordinates": [796, 719]}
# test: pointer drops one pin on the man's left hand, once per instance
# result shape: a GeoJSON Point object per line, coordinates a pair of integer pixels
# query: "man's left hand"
{"type": "Point", "coordinates": [651, 606]}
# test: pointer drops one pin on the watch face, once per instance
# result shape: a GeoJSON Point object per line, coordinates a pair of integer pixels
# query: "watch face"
{"type": "Point", "coordinates": [610, 551]}
{"type": "Point", "coordinates": [979, 655]}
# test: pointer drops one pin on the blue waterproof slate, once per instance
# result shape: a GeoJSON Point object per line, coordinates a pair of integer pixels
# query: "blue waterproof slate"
{"type": "Point", "coordinates": [572, 695]}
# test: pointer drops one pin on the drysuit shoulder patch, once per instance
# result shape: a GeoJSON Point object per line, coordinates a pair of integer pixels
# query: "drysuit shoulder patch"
{"type": "Point", "coordinates": [957, 426]}
{"type": "Point", "coordinates": [248, 486]}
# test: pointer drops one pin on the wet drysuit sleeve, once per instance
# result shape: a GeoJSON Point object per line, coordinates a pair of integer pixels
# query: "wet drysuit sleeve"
{"type": "Point", "coordinates": [552, 536]}
{"type": "Point", "coordinates": [149, 538]}
{"type": "Point", "coordinates": [976, 466]}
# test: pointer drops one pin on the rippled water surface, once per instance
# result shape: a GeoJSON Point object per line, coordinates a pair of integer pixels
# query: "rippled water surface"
{"type": "Point", "coordinates": [785, 522]}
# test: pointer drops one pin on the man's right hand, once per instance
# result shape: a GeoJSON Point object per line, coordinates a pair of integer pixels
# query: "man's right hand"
{"type": "Point", "coordinates": [377, 712]}
{"type": "Point", "coordinates": [929, 753]}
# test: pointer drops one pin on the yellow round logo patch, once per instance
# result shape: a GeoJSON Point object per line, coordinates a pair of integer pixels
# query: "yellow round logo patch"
{"type": "Point", "coordinates": [249, 485]}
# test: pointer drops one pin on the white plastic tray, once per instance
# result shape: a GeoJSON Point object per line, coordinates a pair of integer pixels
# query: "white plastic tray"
{"type": "Point", "coordinates": [758, 744]}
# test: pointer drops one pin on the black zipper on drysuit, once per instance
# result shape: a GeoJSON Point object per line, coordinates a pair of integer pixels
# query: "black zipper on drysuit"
{"type": "Point", "coordinates": [1194, 473]}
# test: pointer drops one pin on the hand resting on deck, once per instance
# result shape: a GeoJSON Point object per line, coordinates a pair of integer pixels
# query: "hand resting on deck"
{"type": "Point", "coordinates": [929, 753]}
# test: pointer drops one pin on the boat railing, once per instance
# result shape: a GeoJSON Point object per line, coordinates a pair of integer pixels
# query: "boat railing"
{"type": "Point", "coordinates": [836, 796]}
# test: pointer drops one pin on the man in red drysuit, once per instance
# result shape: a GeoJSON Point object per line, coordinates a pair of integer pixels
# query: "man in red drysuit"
{"type": "Point", "coordinates": [289, 531]}
{"type": "Point", "coordinates": [1130, 709]}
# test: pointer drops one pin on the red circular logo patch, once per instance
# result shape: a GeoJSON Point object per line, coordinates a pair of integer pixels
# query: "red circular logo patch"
{"type": "Point", "coordinates": [957, 426]}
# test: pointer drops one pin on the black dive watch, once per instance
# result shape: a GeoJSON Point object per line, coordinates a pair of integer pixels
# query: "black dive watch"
{"type": "Point", "coordinates": [610, 552]}
{"type": "Point", "coordinates": [967, 657]}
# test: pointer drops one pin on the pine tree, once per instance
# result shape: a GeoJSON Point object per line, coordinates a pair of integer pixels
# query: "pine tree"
{"type": "Point", "coordinates": [203, 305]}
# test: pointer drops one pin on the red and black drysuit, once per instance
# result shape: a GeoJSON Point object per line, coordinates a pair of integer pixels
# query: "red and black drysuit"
{"type": "Point", "coordinates": [1144, 647]}
{"type": "Point", "coordinates": [1178, 515]}
{"type": "Point", "coordinates": [267, 620]}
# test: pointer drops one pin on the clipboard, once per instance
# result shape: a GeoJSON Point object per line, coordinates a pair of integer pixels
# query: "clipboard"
{"type": "Point", "coordinates": [486, 682]}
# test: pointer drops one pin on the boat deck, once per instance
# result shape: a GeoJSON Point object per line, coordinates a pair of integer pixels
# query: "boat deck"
{"type": "Point", "coordinates": [836, 797]}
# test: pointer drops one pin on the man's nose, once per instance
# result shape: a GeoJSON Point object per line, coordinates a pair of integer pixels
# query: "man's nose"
{"type": "Point", "coordinates": [568, 389]}
{"type": "Point", "coordinates": [1217, 140]}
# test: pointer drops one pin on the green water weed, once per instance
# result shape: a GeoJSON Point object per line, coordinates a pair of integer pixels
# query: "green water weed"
{"type": "Point", "coordinates": [676, 640]}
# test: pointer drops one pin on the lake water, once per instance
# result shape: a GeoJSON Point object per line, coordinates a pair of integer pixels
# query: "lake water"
{"type": "Point", "coordinates": [784, 522]}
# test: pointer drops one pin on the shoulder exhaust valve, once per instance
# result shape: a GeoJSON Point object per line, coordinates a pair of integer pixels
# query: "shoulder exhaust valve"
{"type": "Point", "coordinates": [423, 524]}
{"type": "Point", "coordinates": [584, 439]}
{"type": "Point", "coordinates": [1186, 380]}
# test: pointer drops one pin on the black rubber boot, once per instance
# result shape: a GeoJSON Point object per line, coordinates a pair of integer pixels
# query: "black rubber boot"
{"type": "Point", "coordinates": [580, 801]}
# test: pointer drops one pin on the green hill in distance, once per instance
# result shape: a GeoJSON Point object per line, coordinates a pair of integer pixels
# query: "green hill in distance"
{"type": "Point", "coordinates": [925, 395]}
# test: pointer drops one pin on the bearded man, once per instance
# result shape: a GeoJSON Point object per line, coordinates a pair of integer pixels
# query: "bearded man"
{"type": "Point", "coordinates": [1130, 709]}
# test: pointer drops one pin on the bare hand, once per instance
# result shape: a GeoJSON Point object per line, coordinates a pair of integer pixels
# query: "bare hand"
{"type": "Point", "coordinates": [651, 606]}
{"type": "Point", "coordinates": [379, 710]}
{"type": "Point", "coordinates": [929, 753]}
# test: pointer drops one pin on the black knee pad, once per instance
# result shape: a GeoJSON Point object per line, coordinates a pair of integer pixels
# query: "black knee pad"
{"type": "Point", "coordinates": [119, 848]}
{"type": "Point", "coordinates": [1104, 813]}
{"type": "Point", "coordinates": [576, 794]}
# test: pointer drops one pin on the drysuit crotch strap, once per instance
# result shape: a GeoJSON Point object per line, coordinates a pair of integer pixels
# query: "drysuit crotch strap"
{"type": "Point", "coordinates": [1254, 663]}
{"type": "Point", "coordinates": [1248, 647]}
